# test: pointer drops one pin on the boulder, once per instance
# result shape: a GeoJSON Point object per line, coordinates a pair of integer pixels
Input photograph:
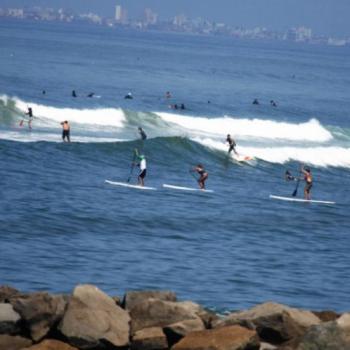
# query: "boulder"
{"type": "Point", "coordinates": [6, 293]}
{"type": "Point", "coordinates": [51, 344]}
{"type": "Point", "coordinates": [136, 297]}
{"type": "Point", "coordinates": [326, 316]}
{"type": "Point", "coordinates": [326, 336]}
{"type": "Point", "coordinates": [40, 312]}
{"type": "Point", "coordinates": [152, 338]}
{"type": "Point", "coordinates": [177, 331]}
{"type": "Point", "coordinates": [9, 342]}
{"type": "Point", "coordinates": [93, 319]}
{"type": "Point", "coordinates": [9, 319]}
{"type": "Point", "coordinates": [158, 313]}
{"type": "Point", "coordinates": [225, 338]}
{"type": "Point", "coordinates": [208, 317]}
{"type": "Point", "coordinates": [275, 323]}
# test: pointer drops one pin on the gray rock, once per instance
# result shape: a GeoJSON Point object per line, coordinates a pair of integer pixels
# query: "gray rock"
{"type": "Point", "coordinates": [159, 313]}
{"type": "Point", "coordinates": [326, 336]}
{"type": "Point", "coordinates": [133, 298]}
{"type": "Point", "coordinates": [275, 323]}
{"type": "Point", "coordinates": [152, 338]}
{"type": "Point", "coordinates": [9, 342]}
{"type": "Point", "coordinates": [9, 319]}
{"type": "Point", "coordinates": [40, 311]}
{"type": "Point", "coordinates": [93, 319]}
{"type": "Point", "coordinates": [225, 338]}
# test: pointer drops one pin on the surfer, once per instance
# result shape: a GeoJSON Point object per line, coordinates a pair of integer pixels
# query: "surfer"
{"type": "Point", "coordinates": [256, 102]}
{"type": "Point", "coordinates": [273, 103]}
{"type": "Point", "coordinates": [142, 134]}
{"type": "Point", "coordinates": [143, 168]}
{"type": "Point", "coordinates": [65, 131]}
{"type": "Point", "coordinates": [203, 175]}
{"type": "Point", "coordinates": [128, 96]}
{"type": "Point", "coordinates": [182, 106]}
{"type": "Point", "coordinates": [168, 94]}
{"type": "Point", "coordinates": [91, 94]}
{"type": "Point", "coordinates": [74, 93]}
{"type": "Point", "coordinates": [232, 144]}
{"type": "Point", "coordinates": [30, 118]}
{"type": "Point", "coordinates": [308, 182]}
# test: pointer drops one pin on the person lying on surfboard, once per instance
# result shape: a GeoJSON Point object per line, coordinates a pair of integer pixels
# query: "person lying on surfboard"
{"type": "Point", "coordinates": [203, 175]}
{"type": "Point", "coordinates": [232, 144]}
{"type": "Point", "coordinates": [308, 182]}
{"type": "Point", "coordinates": [143, 168]}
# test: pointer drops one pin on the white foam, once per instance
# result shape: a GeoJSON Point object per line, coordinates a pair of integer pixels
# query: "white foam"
{"type": "Point", "coordinates": [311, 131]}
{"type": "Point", "coordinates": [31, 136]}
{"type": "Point", "coordinates": [317, 156]}
{"type": "Point", "coordinates": [101, 117]}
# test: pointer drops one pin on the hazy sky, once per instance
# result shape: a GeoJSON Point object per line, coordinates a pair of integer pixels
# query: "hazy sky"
{"type": "Point", "coordinates": [329, 17]}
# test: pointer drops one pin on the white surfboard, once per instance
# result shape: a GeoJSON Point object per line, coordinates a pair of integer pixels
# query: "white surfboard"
{"type": "Point", "coordinates": [125, 184]}
{"type": "Point", "coordinates": [241, 158]}
{"type": "Point", "coordinates": [181, 188]}
{"type": "Point", "coordinates": [292, 199]}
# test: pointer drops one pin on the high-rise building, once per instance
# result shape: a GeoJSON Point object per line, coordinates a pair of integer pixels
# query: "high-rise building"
{"type": "Point", "coordinates": [118, 13]}
{"type": "Point", "coordinates": [150, 17]}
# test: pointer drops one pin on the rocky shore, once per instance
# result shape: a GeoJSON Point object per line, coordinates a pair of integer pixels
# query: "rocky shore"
{"type": "Point", "coordinates": [155, 320]}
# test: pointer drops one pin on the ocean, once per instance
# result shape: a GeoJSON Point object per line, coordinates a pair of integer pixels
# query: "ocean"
{"type": "Point", "coordinates": [61, 224]}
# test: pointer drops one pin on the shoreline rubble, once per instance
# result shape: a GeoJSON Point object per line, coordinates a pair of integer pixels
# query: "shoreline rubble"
{"type": "Point", "coordinates": [156, 320]}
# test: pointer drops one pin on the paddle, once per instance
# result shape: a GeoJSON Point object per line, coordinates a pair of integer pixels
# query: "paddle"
{"type": "Point", "coordinates": [194, 176]}
{"type": "Point", "coordinates": [296, 188]}
{"type": "Point", "coordinates": [132, 165]}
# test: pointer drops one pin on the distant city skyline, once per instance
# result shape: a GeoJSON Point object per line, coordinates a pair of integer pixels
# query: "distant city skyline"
{"type": "Point", "coordinates": [328, 17]}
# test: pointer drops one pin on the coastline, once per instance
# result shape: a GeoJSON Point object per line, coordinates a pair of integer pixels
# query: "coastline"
{"type": "Point", "coordinates": [145, 320]}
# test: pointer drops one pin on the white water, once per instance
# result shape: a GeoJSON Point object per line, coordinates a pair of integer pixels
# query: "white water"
{"type": "Point", "coordinates": [311, 131]}
{"type": "Point", "coordinates": [272, 141]}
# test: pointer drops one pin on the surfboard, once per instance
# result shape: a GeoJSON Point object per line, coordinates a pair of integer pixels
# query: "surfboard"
{"type": "Point", "coordinates": [181, 188]}
{"type": "Point", "coordinates": [292, 199]}
{"type": "Point", "coordinates": [241, 158]}
{"type": "Point", "coordinates": [125, 184]}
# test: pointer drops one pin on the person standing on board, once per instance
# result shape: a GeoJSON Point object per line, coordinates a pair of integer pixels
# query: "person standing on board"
{"type": "Point", "coordinates": [30, 118]}
{"type": "Point", "coordinates": [143, 168]}
{"type": "Point", "coordinates": [142, 134]}
{"type": "Point", "coordinates": [308, 182]}
{"type": "Point", "coordinates": [203, 175]}
{"type": "Point", "coordinates": [65, 131]}
{"type": "Point", "coordinates": [232, 144]}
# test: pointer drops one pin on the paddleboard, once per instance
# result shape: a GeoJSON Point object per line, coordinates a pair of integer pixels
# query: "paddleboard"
{"type": "Point", "coordinates": [292, 199]}
{"type": "Point", "coordinates": [241, 158]}
{"type": "Point", "coordinates": [125, 184]}
{"type": "Point", "coordinates": [181, 188]}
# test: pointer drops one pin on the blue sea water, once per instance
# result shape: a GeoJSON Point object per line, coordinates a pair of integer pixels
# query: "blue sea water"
{"type": "Point", "coordinates": [61, 224]}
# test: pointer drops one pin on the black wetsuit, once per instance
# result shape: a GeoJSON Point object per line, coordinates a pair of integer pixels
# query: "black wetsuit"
{"type": "Point", "coordinates": [232, 144]}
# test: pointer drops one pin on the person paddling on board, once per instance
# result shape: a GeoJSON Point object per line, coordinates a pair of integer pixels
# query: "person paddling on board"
{"type": "Point", "coordinates": [65, 131]}
{"type": "Point", "coordinates": [30, 118]}
{"type": "Point", "coordinates": [203, 175]}
{"type": "Point", "coordinates": [232, 144]}
{"type": "Point", "coordinates": [308, 182]}
{"type": "Point", "coordinates": [142, 134]}
{"type": "Point", "coordinates": [143, 168]}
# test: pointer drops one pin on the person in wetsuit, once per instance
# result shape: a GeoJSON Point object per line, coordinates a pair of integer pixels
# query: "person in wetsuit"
{"type": "Point", "coordinates": [74, 94]}
{"type": "Point", "coordinates": [30, 117]}
{"type": "Point", "coordinates": [308, 182]}
{"type": "Point", "coordinates": [203, 175]}
{"type": "Point", "coordinates": [142, 134]}
{"type": "Point", "coordinates": [232, 144]}
{"type": "Point", "coordinates": [65, 131]}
